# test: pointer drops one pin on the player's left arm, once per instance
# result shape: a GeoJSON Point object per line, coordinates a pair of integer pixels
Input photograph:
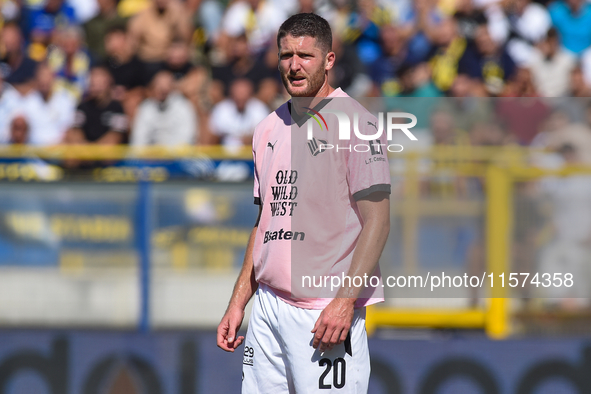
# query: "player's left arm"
{"type": "Point", "coordinates": [334, 322]}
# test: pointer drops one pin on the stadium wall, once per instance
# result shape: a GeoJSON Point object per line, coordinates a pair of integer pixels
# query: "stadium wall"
{"type": "Point", "coordinates": [188, 362]}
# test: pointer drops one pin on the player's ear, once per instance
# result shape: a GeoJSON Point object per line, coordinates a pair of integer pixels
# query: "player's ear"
{"type": "Point", "coordinates": [329, 60]}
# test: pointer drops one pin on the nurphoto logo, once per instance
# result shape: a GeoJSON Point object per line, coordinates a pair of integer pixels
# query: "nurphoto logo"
{"type": "Point", "coordinates": [344, 123]}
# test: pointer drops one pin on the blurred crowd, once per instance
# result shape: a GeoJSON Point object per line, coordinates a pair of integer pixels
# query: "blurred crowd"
{"type": "Point", "coordinates": [170, 72]}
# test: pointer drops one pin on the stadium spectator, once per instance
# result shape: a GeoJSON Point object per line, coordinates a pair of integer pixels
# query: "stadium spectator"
{"type": "Point", "coordinates": [572, 19]}
{"type": "Point", "coordinates": [490, 134]}
{"type": "Point", "coordinates": [177, 60]}
{"type": "Point", "coordinates": [192, 81]}
{"type": "Point", "coordinates": [121, 62]}
{"type": "Point", "coordinates": [338, 13]}
{"type": "Point", "coordinates": [488, 62]}
{"type": "Point", "coordinates": [96, 29]}
{"type": "Point", "coordinates": [207, 14]}
{"type": "Point", "coordinates": [444, 130]}
{"type": "Point", "coordinates": [155, 28]}
{"type": "Point", "coordinates": [363, 30]}
{"type": "Point", "coordinates": [234, 119]}
{"type": "Point", "coordinates": [19, 130]}
{"type": "Point", "coordinates": [49, 111]}
{"type": "Point", "coordinates": [48, 114]}
{"type": "Point", "coordinates": [463, 107]}
{"type": "Point", "coordinates": [450, 47]}
{"type": "Point", "coordinates": [577, 85]}
{"type": "Point", "coordinates": [44, 20]}
{"type": "Point", "coordinates": [69, 61]}
{"type": "Point", "coordinates": [125, 68]}
{"type": "Point", "coordinates": [468, 18]}
{"type": "Point", "coordinates": [189, 79]}
{"type": "Point", "coordinates": [241, 64]}
{"type": "Point", "coordinates": [52, 112]}
{"type": "Point", "coordinates": [167, 118]}
{"type": "Point", "coordinates": [559, 130]}
{"type": "Point", "coordinates": [394, 56]}
{"type": "Point", "coordinates": [16, 66]}
{"type": "Point", "coordinates": [99, 119]}
{"type": "Point", "coordinates": [549, 58]}
{"type": "Point", "coordinates": [528, 23]}
{"type": "Point", "coordinates": [523, 117]}
{"type": "Point", "coordinates": [349, 73]}
{"type": "Point", "coordinates": [258, 20]}
{"type": "Point", "coordinates": [416, 82]}
{"type": "Point", "coordinates": [421, 25]}
{"type": "Point", "coordinates": [270, 89]}
{"type": "Point", "coordinates": [521, 85]}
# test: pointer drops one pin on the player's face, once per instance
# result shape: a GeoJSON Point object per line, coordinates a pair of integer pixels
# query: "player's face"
{"type": "Point", "coordinates": [303, 65]}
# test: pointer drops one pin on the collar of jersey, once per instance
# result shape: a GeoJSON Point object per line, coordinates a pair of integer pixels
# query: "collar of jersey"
{"type": "Point", "coordinates": [300, 120]}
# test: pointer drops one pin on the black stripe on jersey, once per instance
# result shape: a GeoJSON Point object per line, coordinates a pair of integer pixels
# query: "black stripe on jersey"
{"type": "Point", "coordinates": [381, 187]}
{"type": "Point", "coordinates": [257, 201]}
{"type": "Point", "coordinates": [348, 348]}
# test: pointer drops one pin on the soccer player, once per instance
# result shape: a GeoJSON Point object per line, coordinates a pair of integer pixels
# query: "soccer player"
{"type": "Point", "coordinates": [321, 211]}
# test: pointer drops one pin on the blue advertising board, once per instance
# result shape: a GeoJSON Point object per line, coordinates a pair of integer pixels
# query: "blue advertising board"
{"type": "Point", "coordinates": [188, 362]}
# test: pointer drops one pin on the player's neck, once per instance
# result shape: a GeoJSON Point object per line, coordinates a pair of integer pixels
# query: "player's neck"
{"type": "Point", "coordinates": [325, 90]}
{"type": "Point", "coordinates": [300, 103]}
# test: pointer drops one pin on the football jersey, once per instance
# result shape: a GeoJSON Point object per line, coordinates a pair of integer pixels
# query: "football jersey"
{"type": "Point", "coordinates": [310, 221]}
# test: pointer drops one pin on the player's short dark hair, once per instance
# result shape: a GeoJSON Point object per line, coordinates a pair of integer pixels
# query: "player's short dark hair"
{"type": "Point", "coordinates": [310, 25]}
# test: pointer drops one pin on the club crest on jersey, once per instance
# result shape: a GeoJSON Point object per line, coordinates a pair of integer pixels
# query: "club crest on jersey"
{"type": "Point", "coordinates": [315, 146]}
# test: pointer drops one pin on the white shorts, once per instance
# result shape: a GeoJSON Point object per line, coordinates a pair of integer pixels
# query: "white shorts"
{"type": "Point", "coordinates": [279, 357]}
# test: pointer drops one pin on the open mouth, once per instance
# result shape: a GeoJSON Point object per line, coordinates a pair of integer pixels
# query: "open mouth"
{"type": "Point", "coordinates": [297, 80]}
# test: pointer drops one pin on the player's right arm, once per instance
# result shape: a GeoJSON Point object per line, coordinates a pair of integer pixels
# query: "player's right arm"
{"type": "Point", "coordinates": [244, 289]}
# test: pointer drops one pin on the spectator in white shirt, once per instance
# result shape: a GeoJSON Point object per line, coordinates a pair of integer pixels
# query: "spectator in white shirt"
{"type": "Point", "coordinates": [233, 120]}
{"type": "Point", "coordinates": [54, 110]}
{"type": "Point", "coordinates": [551, 66]}
{"type": "Point", "coordinates": [167, 118]}
{"type": "Point", "coordinates": [50, 113]}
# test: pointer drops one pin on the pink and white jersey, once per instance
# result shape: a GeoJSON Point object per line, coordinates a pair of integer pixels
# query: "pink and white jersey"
{"type": "Point", "coordinates": [308, 189]}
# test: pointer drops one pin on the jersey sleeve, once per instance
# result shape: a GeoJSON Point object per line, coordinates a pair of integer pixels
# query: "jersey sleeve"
{"type": "Point", "coordinates": [367, 165]}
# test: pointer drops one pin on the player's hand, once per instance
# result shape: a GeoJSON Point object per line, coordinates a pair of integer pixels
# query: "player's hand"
{"type": "Point", "coordinates": [228, 328]}
{"type": "Point", "coordinates": [333, 324]}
